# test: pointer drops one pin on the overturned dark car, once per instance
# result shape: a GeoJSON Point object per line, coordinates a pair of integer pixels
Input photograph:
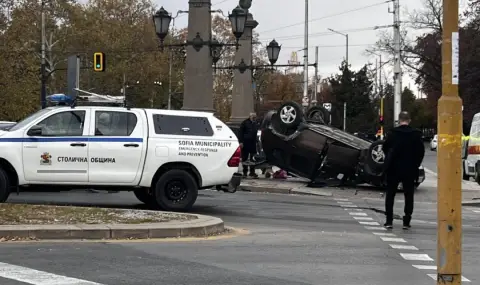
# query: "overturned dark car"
{"type": "Point", "coordinates": [305, 145]}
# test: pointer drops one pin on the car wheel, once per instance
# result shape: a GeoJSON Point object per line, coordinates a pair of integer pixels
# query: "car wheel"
{"type": "Point", "coordinates": [176, 190]}
{"type": "Point", "coordinates": [267, 119]}
{"type": "Point", "coordinates": [477, 175]}
{"type": "Point", "coordinates": [4, 186]}
{"type": "Point", "coordinates": [376, 156]}
{"type": "Point", "coordinates": [290, 114]}
{"type": "Point", "coordinates": [464, 174]}
{"type": "Point", "coordinates": [318, 114]}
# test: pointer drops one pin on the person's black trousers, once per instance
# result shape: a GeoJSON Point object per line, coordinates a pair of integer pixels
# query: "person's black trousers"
{"type": "Point", "coordinates": [248, 151]}
{"type": "Point", "coordinates": [408, 189]}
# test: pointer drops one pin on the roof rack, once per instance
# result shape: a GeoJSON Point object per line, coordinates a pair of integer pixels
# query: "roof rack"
{"type": "Point", "coordinates": [87, 99]}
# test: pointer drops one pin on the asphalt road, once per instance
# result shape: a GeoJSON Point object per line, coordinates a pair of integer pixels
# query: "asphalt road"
{"type": "Point", "coordinates": [292, 240]}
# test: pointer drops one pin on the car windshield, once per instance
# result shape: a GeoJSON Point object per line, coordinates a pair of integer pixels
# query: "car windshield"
{"type": "Point", "coordinates": [28, 120]}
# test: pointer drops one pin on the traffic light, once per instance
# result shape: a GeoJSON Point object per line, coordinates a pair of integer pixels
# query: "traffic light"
{"type": "Point", "coordinates": [381, 120]}
{"type": "Point", "coordinates": [99, 61]}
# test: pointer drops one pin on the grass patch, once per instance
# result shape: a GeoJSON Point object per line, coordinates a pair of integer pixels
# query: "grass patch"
{"type": "Point", "coordinates": [27, 214]}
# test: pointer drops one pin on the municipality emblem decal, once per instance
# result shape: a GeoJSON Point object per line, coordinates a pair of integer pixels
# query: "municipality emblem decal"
{"type": "Point", "coordinates": [45, 159]}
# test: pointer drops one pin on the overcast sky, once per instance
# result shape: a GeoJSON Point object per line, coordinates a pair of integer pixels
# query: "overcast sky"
{"type": "Point", "coordinates": [283, 20]}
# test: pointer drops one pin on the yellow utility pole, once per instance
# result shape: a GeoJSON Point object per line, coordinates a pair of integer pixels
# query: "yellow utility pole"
{"type": "Point", "coordinates": [449, 231]}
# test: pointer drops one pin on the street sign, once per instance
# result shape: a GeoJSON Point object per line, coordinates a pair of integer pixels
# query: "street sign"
{"type": "Point", "coordinates": [327, 106]}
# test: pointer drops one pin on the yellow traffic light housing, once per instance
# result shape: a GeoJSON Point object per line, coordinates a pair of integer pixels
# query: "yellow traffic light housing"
{"type": "Point", "coordinates": [99, 61]}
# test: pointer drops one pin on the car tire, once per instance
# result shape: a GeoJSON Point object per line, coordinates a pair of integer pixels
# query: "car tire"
{"type": "Point", "coordinates": [176, 190]}
{"type": "Point", "coordinates": [465, 176]}
{"type": "Point", "coordinates": [318, 114]}
{"type": "Point", "coordinates": [376, 160]}
{"type": "Point", "coordinates": [477, 175]}
{"type": "Point", "coordinates": [144, 197]}
{"type": "Point", "coordinates": [4, 186]}
{"type": "Point", "coordinates": [290, 115]}
{"type": "Point", "coordinates": [267, 119]}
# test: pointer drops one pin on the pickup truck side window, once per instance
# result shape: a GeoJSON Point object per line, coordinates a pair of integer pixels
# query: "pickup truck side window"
{"type": "Point", "coordinates": [182, 125]}
{"type": "Point", "coordinates": [114, 124]}
{"type": "Point", "coordinates": [63, 124]}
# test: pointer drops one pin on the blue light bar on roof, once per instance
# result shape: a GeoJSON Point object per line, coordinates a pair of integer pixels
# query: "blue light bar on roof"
{"type": "Point", "coordinates": [60, 99]}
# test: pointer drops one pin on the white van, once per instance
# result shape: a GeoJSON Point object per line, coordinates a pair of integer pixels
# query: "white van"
{"type": "Point", "coordinates": [471, 151]}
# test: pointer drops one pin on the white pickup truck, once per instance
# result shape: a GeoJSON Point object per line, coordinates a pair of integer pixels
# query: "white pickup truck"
{"type": "Point", "coordinates": [164, 156]}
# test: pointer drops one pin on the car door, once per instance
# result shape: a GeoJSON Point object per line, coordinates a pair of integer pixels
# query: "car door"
{"type": "Point", "coordinates": [116, 147]}
{"type": "Point", "coordinates": [60, 153]}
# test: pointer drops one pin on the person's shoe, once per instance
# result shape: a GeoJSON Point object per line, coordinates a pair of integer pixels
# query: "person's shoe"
{"type": "Point", "coordinates": [253, 175]}
{"type": "Point", "coordinates": [245, 175]}
{"type": "Point", "coordinates": [388, 225]}
{"type": "Point", "coordinates": [406, 223]}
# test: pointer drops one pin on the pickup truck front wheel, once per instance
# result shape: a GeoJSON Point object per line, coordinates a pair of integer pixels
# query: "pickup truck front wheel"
{"type": "Point", "coordinates": [4, 186]}
{"type": "Point", "coordinates": [176, 190]}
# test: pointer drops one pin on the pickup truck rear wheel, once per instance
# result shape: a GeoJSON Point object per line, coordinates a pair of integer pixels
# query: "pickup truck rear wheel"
{"type": "Point", "coordinates": [4, 186]}
{"type": "Point", "coordinates": [176, 190]}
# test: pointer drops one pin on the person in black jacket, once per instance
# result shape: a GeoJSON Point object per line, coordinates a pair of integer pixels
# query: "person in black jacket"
{"type": "Point", "coordinates": [247, 136]}
{"type": "Point", "coordinates": [404, 152]}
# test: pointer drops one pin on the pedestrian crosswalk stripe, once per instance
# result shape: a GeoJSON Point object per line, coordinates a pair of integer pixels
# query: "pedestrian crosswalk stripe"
{"type": "Point", "coordinates": [402, 246]}
{"type": "Point", "coordinates": [37, 277]}
{"type": "Point", "coordinates": [376, 228]}
{"type": "Point", "coordinates": [340, 199]}
{"type": "Point", "coordinates": [385, 234]}
{"type": "Point", "coordinates": [344, 203]}
{"type": "Point", "coordinates": [370, 223]}
{"type": "Point", "coordinates": [414, 256]}
{"type": "Point", "coordinates": [363, 218]}
{"type": "Point", "coordinates": [426, 267]}
{"type": "Point", "coordinates": [434, 277]}
{"type": "Point", "coordinates": [349, 206]}
{"type": "Point", "coordinates": [358, 214]}
{"type": "Point", "coordinates": [390, 239]}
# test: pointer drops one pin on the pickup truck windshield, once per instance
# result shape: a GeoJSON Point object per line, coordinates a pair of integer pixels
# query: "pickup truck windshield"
{"type": "Point", "coordinates": [28, 120]}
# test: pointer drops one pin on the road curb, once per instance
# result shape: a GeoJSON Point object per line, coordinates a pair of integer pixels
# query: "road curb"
{"type": "Point", "coordinates": [471, 203]}
{"type": "Point", "coordinates": [303, 190]}
{"type": "Point", "coordinates": [203, 226]}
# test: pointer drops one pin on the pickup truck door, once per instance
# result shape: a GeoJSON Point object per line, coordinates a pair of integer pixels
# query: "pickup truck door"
{"type": "Point", "coordinates": [60, 153]}
{"type": "Point", "coordinates": [117, 146]}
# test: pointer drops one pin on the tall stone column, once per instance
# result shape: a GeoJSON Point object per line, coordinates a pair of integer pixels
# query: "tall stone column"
{"type": "Point", "coordinates": [242, 95]}
{"type": "Point", "coordinates": [198, 82]}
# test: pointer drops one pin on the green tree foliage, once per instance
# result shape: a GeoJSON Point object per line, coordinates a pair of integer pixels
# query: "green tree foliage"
{"type": "Point", "coordinates": [422, 116]}
{"type": "Point", "coordinates": [123, 30]}
{"type": "Point", "coordinates": [354, 88]}
{"type": "Point", "coordinates": [422, 55]}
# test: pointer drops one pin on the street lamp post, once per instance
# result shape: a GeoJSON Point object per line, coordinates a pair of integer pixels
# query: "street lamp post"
{"type": "Point", "coordinates": [198, 83]}
{"type": "Point", "coordinates": [273, 51]}
{"type": "Point", "coordinates": [242, 91]}
{"type": "Point", "coordinates": [43, 71]}
{"type": "Point", "coordinates": [346, 42]}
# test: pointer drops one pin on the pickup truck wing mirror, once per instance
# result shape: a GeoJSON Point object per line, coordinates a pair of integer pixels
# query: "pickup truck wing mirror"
{"type": "Point", "coordinates": [35, 131]}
